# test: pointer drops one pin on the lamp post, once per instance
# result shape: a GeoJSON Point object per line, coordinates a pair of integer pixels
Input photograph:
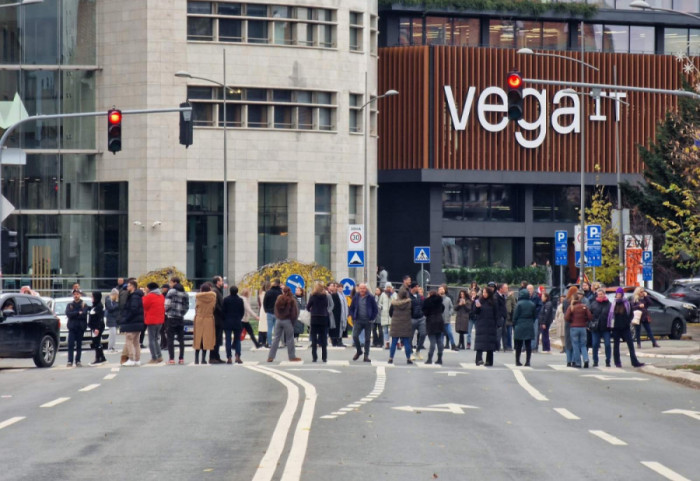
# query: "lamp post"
{"type": "Point", "coordinates": [21, 3]}
{"type": "Point", "coordinates": [365, 188]}
{"type": "Point", "coordinates": [182, 74]}
{"type": "Point", "coordinates": [645, 6]}
{"type": "Point", "coordinates": [582, 207]}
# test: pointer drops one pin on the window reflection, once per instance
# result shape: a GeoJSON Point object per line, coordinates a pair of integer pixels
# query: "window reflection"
{"type": "Point", "coordinates": [479, 252]}
{"type": "Point", "coordinates": [273, 226]}
{"type": "Point", "coordinates": [482, 202]}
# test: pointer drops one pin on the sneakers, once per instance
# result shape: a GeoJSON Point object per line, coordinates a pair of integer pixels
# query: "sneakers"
{"type": "Point", "coordinates": [418, 356]}
{"type": "Point", "coordinates": [129, 363]}
{"type": "Point", "coordinates": [171, 362]}
{"type": "Point", "coordinates": [295, 359]}
{"type": "Point", "coordinates": [181, 361]}
{"type": "Point", "coordinates": [153, 361]}
{"type": "Point", "coordinates": [70, 364]}
{"type": "Point", "coordinates": [78, 364]}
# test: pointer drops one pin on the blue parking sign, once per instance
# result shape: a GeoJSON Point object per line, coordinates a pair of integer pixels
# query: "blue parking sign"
{"type": "Point", "coordinates": [561, 246]}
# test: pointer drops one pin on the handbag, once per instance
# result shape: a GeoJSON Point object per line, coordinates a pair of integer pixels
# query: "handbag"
{"type": "Point", "coordinates": [304, 317]}
{"type": "Point", "coordinates": [636, 318]}
{"type": "Point", "coordinates": [298, 327]}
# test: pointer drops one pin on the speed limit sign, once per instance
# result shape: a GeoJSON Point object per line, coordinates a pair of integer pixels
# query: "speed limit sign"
{"type": "Point", "coordinates": [356, 237]}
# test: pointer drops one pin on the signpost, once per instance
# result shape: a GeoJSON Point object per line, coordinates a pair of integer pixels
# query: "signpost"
{"type": "Point", "coordinates": [421, 255]}
{"type": "Point", "coordinates": [356, 245]}
{"type": "Point", "coordinates": [647, 266]}
{"type": "Point", "coordinates": [593, 251]}
{"type": "Point", "coordinates": [561, 255]}
{"type": "Point", "coordinates": [635, 247]}
{"type": "Point", "coordinates": [347, 285]}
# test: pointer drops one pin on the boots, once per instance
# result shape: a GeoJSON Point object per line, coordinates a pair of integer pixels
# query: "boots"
{"type": "Point", "coordinates": [527, 359]}
{"type": "Point", "coordinates": [430, 359]}
{"type": "Point", "coordinates": [439, 359]}
{"type": "Point", "coordinates": [238, 360]}
{"type": "Point", "coordinates": [517, 357]}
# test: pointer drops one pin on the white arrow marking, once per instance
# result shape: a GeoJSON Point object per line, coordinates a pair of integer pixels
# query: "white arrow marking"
{"type": "Point", "coordinates": [450, 373]}
{"type": "Point", "coordinates": [692, 414]}
{"type": "Point", "coordinates": [311, 369]}
{"type": "Point", "coordinates": [438, 408]}
{"type": "Point", "coordinates": [603, 377]}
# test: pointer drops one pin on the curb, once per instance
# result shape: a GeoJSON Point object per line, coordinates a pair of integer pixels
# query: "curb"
{"type": "Point", "coordinates": [689, 379]}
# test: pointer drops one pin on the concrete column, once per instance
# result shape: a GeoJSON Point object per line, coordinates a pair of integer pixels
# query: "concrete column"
{"type": "Point", "coordinates": [301, 221]}
{"type": "Point", "coordinates": [340, 209]}
{"type": "Point", "coordinates": [243, 228]}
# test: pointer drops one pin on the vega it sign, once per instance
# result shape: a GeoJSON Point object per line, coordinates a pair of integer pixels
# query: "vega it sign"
{"type": "Point", "coordinates": [491, 108]}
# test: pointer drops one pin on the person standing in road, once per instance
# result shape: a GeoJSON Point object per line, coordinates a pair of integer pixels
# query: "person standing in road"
{"type": "Point", "coordinates": [363, 310]}
{"type": "Point", "coordinates": [559, 325]}
{"type": "Point", "coordinates": [122, 286]}
{"type": "Point", "coordinates": [177, 303]}
{"type": "Point", "coordinates": [285, 312]}
{"type": "Point", "coordinates": [523, 317]}
{"type": "Point", "coordinates": [96, 324]}
{"type": "Point", "coordinates": [164, 330]}
{"type": "Point", "coordinates": [447, 317]}
{"type": "Point", "coordinates": [619, 318]}
{"type": "Point", "coordinates": [600, 308]}
{"type": "Point", "coordinates": [269, 305]}
{"type": "Point", "coordinates": [318, 331]}
{"type": "Point", "coordinates": [535, 298]}
{"type": "Point", "coordinates": [382, 276]}
{"type": "Point", "coordinates": [486, 327]}
{"type": "Point", "coordinates": [245, 295]}
{"type": "Point", "coordinates": [76, 312]}
{"type": "Point", "coordinates": [433, 309]}
{"type": "Point", "coordinates": [234, 310]}
{"type": "Point", "coordinates": [511, 302]}
{"type": "Point", "coordinates": [578, 316]}
{"type": "Point", "coordinates": [217, 288]}
{"type": "Point", "coordinates": [463, 309]}
{"type": "Point", "coordinates": [568, 346]}
{"type": "Point", "coordinates": [401, 327]}
{"type": "Point", "coordinates": [132, 323]}
{"type": "Point", "coordinates": [112, 315]}
{"type": "Point", "coordinates": [545, 321]}
{"type": "Point", "coordinates": [204, 323]}
{"type": "Point", "coordinates": [300, 297]}
{"type": "Point", "coordinates": [640, 302]}
{"type": "Point", "coordinates": [262, 316]}
{"type": "Point", "coordinates": [377, 332]}
{"type": "Point", "coordinates": [473, 296]}
{"type": "Point", "coordinates": [338, 314]}
{"type": "Point", "coordinates": [417, 318]}
{"type": "Point", "coordinates": [154, 316]}
{"type": "Point", "coordinates": [500, 297]}
{"type": "Point", "coordinates": [384, 305]}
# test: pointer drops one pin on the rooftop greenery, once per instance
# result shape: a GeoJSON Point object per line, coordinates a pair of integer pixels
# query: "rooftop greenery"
{"type": "Point", "coordinates": [526, 7]}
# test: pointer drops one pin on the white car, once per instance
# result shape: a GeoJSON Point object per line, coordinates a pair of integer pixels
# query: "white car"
{"type": "Point", "coordinates": [189, 317]}
{"type": "Point", "coordinates": [58, 306]}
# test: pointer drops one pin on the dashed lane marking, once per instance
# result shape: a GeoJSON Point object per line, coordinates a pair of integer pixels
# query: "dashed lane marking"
{"type": "Point", "coordinates": [664, 471]}
{"type": "Point", "coordinates": [11, 421]}
{"type": "Point", "coordinates": [378, 389]}
{"type": "Point", "coordinates": [55, 402]}
{"type": "Point", "coordinates": [567, 414]}
{"type": "Point", "coordinates": [109, 377]}
{"type": "Point", "coordinates": [608, 438]}
{"type": "Point", "coordinates": [520, 377]}
{"type": "Point", "coordinates": [89, 388]}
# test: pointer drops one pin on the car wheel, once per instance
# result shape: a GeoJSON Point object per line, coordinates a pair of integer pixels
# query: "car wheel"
{"type": "Point", "coordinates": [676, 329]}
{"type": "Point", "coordinates": [46, 352]}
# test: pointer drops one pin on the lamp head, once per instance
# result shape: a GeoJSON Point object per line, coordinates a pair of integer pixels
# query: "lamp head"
{"type": "Point", "coordinates": [639, 4]}
{"type": "Point", "coordinates": [525, 50]}
{"type": "Point", "coordinates": [183, 74]}
{"type": "Point", "coordinates": [391, 93]}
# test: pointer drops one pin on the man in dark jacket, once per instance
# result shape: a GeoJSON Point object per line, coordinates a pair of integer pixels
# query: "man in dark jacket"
{"type": "Point", "coordinates": [600, 308]}
{"type": "Point", "coordinates": [417, 318]}
{"type": "Point", "coordinates": [537, 300]}
{"type": "Point", "coordinates": [132, 324]}
{"type": "Point", "coordinates": [363, 311]}
{"type": "Point", "coordinates": [500, 297]}
{"type": "Point", "coordinates": [76, 312]}
{"type": "Point", "coordinates": [177, 303]}
{"type": "Point", "coordinates": [269, 305]}
{"type": "Point", "coordinates": [217, 288]}
{"type": "Point", "coordinates": [233, 312]}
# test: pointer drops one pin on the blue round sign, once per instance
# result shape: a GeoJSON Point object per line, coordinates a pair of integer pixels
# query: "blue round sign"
{"type": "Point", "coordinates": [294, 281]}
{"type": "Point", "coordinates": [347, 285]}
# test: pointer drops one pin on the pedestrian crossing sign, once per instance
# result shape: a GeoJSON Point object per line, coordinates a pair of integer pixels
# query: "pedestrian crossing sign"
{"type": "Point", "coordinates": [421, 255]}
{"type": "Point", "coordinates": [356, 258]}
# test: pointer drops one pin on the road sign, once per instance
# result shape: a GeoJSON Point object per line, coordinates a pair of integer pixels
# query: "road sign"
{"type": "Point", "coordinates": [561, 248]}
{"type": "Point", "coordinates": [347, 285]}
{"type": "Point", "coordinates": [421, 255]}
{"type": "Point", "coordinates": [294, 281]}
{"type": "Point", "coordinates": [356, 237]}
{"type": "Point", "coordinates": [647, 258]}
{"type": "Point", "coordinates": [356, 258]}
{"type": "Point", "coordinates": [594, 252]}
{"type": "Point", "coordinates": [647, 273]}
{"type": "Point", "coordinates": [7, 208]}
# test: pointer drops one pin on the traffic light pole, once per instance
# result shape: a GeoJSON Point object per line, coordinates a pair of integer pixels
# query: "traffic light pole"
{"type": "Point", "coordinates": [11, 128]}
{"type": "Point", "coordinates": [626, 88]}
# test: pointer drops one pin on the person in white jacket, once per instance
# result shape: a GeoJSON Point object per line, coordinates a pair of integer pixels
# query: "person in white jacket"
{"type": "Point", "coordinates": [384, 305]}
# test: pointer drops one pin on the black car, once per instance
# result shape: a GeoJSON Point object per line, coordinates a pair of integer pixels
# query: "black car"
{"type": "Point", "coordinates": [28, 328]}
{"type": "Point", "coordinates": [685, 290]}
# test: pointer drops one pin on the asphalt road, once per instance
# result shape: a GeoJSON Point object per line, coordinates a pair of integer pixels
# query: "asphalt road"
{"type": "Point", "coordinates": [345, 420]}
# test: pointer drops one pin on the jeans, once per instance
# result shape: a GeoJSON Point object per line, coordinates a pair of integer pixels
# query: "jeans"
{"type": "Point", "coordinates": [470, 328]}
{"type": "Point", "coordinates": [359, 327]}
{"type": "Point", "coordinates": [435, 339]}
{"type": "Point", "coordinates": [419, 325]}
{"type": "Point", "coordinates": [133, 346]}
{"type": "Point", "coordinates": [236, 333]}
{"type": "Point", "coordinates": [75, 342]}
{"type": "Point", "coordinates": [271, 323]}
{"type": "Point", "coordinates": [154, 341]}
{"type": "Point", "coordinates": [176, 329]}
{"type": "Point", "coordinates": [578, 342]}
{"type": "Point", "coordinates": [545, 338]}
{"type": "Point", "coordinates": [597, 336]}
{"type": "Point", "coordinates": [626, 336]}
{"type": "Point", "coordinates": [319, 337]}
{"type": "Point", "coordinates": [112, 338]}
{"type": "Point", "coordinates": [283, 327]}
{"type": "Point", "coordinates": [536, 330]}
{"type": "Point", "coordinates": [386, 334]}
{"type": "Point", "coordinates": [638, 333]}
{"type": "Point", "coordinates": [508, 341]}
{"type": "Point", "coordinates": [448, 333]}
{"type": "Point", "coordinates": [406, 345]}
{"type": "Point", "coordinates": [568, 347]}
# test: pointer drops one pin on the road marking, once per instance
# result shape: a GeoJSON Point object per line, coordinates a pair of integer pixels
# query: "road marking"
{"type": "Point", "coordinates": [608, 437]}
{"type": "Point", "coordinates": [115, 369]}
{"type": "Point", "coordinates": [268, 463]}
{"type": "Point", "coordinates": [562, 367]}
{"type": "Point", "coordinates": [11, 421]}
{"type": "Point", "coordinates": [378, 389]}
{"type": "Point", "coordinates": [519, 368]}
{"type": "Point", "coordinates": [467, 365]}
{"type": "Point", "coordinates": [338, 363]}
{"type": "Point", "coordinates": [328, 416]}
{"type": "Point", "coordinates": [316, 369]}
{"type": "Point", "coordinates": [603, 377]}
{"type": "Point", "coordinates": [567, 414]}
{"type": "Point", "coordinates": [55, 402]}
{"type": "Point", "coordinates": [89, 388]}
{"type": "Point", "coordinates": [109, 377]}
{"type": "Point", "coordinates": [664, 471]}
{"type": "Point", "coordinates": [692, 414]}
{"type": "Point", "coordinates": [438, 408]}
{"type": "Point", "coordinates": [346, 409]}
{"type": "Point", "coordinates": [291, 363]}
{"type": "Point", "coordinates": [520, 377]}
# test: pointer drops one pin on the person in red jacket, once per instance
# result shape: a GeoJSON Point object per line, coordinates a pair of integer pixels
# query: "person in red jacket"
{"type": "Point", "coordinates": [154, 315]}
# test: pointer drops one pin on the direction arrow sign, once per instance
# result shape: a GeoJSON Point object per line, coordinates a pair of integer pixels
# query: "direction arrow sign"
{"type": "Point", "coordinates": [438, 408]}
{"type": "Point", "coordinates": [691, 414]}
{"type": "Point", "coordinates": [294, 281]}
{"type": "Point", "coordinates": [347, 284]}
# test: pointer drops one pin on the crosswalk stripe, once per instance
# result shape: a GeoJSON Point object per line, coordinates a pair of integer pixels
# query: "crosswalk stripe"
{"type": "Point", "coordinates": [55, 402]}
{"type": "Point", "coordinates": [11, 421]}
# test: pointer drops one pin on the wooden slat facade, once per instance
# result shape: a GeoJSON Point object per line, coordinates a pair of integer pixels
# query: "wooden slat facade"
{"type": "Point", "coordinates": [405, 124]}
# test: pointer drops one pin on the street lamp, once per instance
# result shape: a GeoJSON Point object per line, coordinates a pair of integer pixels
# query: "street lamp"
{"type": "Point", "coordinates": [645, 6]}
{"type": "Point", "coordinates": [583, 141]}
{"type": "Point", "coordinates": [20, 3]}
{"type": "Point", "coordinates": [183, 74]}
{"type": "Point", "coordinates": [365, 189]}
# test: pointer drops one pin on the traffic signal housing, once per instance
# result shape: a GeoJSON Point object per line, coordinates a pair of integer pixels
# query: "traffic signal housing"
{"type": "Point", "coordinates": [515, 95]}
{"type": "Point", "coordinates": [9, 245]}
{"type": "Point", "coordinates": [114, 130]}
{"type": "Point", "coordinates": [186, 126]}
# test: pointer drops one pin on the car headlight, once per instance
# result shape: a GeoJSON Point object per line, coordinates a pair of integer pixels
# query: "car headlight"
{"type": "Point", "coordinates": [690, 307]}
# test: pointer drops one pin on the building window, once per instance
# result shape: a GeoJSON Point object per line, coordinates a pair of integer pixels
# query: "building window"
{"type": "Point", "coordinates": [480, 252]}
{"type": "Point", "coordinates": [273, 225]}
{"type": "Point", "coordinates": [556, 204]}
{"type": "Point", "coordinates": [355, 113]}
{"type": "Point", "coordinates": [642, 40]}
{"type": "Point", "coordinates": [323, 221]}
{"type": "Point", "coordinates": [205, 230]}
{"type": "Point", "coordinates": [482, 202]}
{"type": "Point", "coordinates": [353, 199]}
{"type": "Point", "coordinates": [463, 32]}
{"type": "Point", "coordinates": [682, 41]}
{"type": "Point", "coordinates": [263, 108]}
{"type": "Point", "coordinates": [438, 31]}
{"type": "Point", "coordinates": [373, 34]}
{"type": "Point", "coordinates": [356, 31]}
{"type": "Point", "coordinates": [260, 24]}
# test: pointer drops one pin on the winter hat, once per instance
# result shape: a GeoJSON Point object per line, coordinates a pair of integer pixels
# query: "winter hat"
{"type": "Point", "coordinates": [619, 290]}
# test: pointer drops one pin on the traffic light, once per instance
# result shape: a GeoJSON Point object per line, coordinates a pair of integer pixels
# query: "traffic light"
{"type": "Point", "coordinates": [186, 126]}
{"type": "Point", "coordinates": [114, 130]}
{"type": "Point", "coordinates": [515, 95]}
{"type": "Point", "coordinates": [9, 245]}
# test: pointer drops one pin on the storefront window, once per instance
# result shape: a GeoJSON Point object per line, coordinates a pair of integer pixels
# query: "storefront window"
{"type": "Point", "coordinates": [323, 217]}
{"type": "Point", "coordinates": [438, 31]}
{"type": "Point", "coordinates": [501, 33]}
{"type": "Point", "coordinates": [205, 229]}
{"type": "Point", "coordinates": [555, 35]}
{"type": "Point", "coordinates": [642, 40]}
{"type": "Point", "coordinates": [273, 224]}
{"type": "Point", "coordinates": [466, 32]}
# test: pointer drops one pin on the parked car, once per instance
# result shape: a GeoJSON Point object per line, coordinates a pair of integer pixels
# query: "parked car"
{"type": "Point", "coordinates": [667, 317]}
{"type": "Point", "coordinates": [58, 306]}
{"type": "Point", "coordinates": [686, 290]}
{"type": "Point", "coordinates": [28, 330]}
{"type": "Point", "coordinates": [690, 311]}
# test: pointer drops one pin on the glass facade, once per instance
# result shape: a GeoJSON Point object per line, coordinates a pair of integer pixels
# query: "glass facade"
{"type": "Point", "coordinates": [556, 204]}
{"type": "Point", "coordinates": [273, 223]}
{"type": "Point", "coordinates": [322, 230]}
{"type": "Point", "coordinates": [482, 202]}
{"type": "Point", "coordinates": [480, 252]}
{"type": "Point", "coordinates": [205, 230]}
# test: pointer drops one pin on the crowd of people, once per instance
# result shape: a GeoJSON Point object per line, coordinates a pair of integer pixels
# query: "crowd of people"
{"type": "Point", "coordinates": [486, 319]}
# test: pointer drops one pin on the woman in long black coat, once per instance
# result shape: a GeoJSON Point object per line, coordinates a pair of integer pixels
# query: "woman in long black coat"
{"type": "Point", "coordinates": [486, 327]}
{"type": "Point", "coordinates": [433, 308]}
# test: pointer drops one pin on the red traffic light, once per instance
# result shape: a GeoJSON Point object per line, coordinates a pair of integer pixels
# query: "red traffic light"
{"type": "Point", "coordinates": [514, 81]}
{"type": "Point", "coordinates": [114, 117]}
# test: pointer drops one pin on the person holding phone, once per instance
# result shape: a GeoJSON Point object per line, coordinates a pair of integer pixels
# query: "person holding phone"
{"type": "Point", "coordinates": [486, 327]}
